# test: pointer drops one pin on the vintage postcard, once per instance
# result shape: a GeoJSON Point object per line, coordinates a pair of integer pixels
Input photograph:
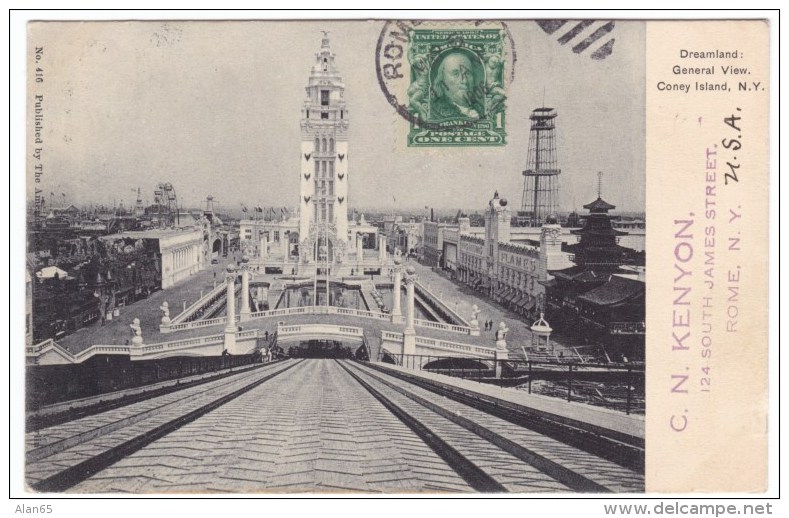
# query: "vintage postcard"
{"type": "Point", "coordinates": [425, 257]}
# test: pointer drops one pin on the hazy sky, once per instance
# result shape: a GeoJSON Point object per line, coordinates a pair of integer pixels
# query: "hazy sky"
{"type": "Point", "coordinates": [214, 108]}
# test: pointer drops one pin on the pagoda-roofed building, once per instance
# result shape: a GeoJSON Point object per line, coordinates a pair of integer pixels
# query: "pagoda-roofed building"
{"type": "Point", "coordinates": [596, 255]}
{"type": "Point", "coordinates": [597, 249]}
{"type": "Point", "coordinates": [601, 297]}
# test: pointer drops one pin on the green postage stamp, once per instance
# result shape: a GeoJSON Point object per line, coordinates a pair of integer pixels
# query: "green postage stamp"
{"type": "Point", "coordinates": [456, 94]}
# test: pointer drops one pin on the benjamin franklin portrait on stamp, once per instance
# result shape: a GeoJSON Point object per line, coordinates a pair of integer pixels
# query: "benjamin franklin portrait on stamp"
{"type": "Point", "coordinates": [456, 87]}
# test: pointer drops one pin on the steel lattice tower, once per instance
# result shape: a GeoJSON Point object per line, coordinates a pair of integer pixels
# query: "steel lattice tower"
{"type": "Point", "coordinates": [541, 183]}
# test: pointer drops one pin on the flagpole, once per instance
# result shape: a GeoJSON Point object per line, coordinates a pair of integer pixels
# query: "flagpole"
{"type": "Point", "coordinates": [325, 231]}
{"type": "Point", "coordinates": [326, 265]}
{"type": "Point", "coordinates": [315, 277]}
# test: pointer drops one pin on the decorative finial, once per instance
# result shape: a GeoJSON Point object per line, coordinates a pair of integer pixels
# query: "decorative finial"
{"type": "Point", "coordinates": [600, 184]}
{"type": "Point", "coordinates": [136, 332]}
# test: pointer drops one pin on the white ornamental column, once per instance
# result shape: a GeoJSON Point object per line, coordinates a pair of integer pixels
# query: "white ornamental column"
{"type": "Point", "coordinates": [245, 312]}
{"type": "Point", "coordinates": [398, 274]}
{"type": "Point", "coordinates": [409, 334]}
{"type": "Point", "coordinates": [264, 247]}
{"type": "Point", "coordinates": [474, 322]}
{"type": "Point", "coordinates": [165, 307]}
{"type": "Point", "coordinates": [230, 328]}
{"type": "Point", "coordinates": [501, 347]}
{"type": "Point", "coordinates": [359, 254]}
{"type": "Point", "coordinates": [381, 249]}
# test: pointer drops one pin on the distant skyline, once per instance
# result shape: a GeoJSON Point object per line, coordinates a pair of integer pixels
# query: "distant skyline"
{"type": "Point", "coordinates": [366, 210]}
{"type": "Point", "coordinates": [214, 108]}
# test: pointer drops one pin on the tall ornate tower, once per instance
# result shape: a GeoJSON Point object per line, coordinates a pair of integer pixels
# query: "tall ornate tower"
{"type": "Point", "coordinates": [497, 230]}
{"type": "Point", "coordinates": [324, 161]}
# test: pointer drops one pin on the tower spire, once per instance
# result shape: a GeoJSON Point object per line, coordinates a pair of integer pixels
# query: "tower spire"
{"type": "Point", "coordinates": [139, 208]}
{"type": "Point", "coordinates": [600, 184]}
